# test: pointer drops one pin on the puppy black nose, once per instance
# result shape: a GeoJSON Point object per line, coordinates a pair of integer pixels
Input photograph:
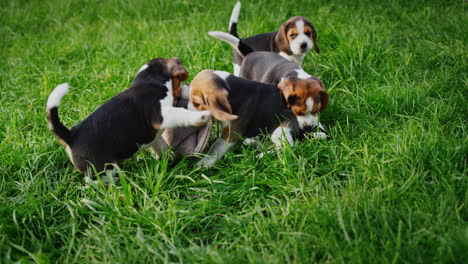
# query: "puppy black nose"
{"type": "Point", "coordinates": [303, 45]}
{"type": "Point", "coordinates": [308, 128]}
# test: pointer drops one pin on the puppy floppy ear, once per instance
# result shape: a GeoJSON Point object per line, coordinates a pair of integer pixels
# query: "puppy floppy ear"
{"type": "Point", "coordinates": [220, 107]}
{"type": "Point", "coordinates": [285, 88]}
{"type": "Point", "coordinates": [281, 39]}
{"type": "Point", "coordinates": [323, 96]}
{"type": "Point", "coordinates": [178, 73]}
{"type": "Point", "coordinates": [323, 100]}
{"type": "Point", "coordinates": [314, 36]}
{"type": "Point", "coordinates": [316, 48]}
{"type": "Point", "coordinates": [211, 93]}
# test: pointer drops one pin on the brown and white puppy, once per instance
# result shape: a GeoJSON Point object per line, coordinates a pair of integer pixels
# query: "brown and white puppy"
{"type": "Point", "coordinates": [129, 121]}
{"type": "Point", "coordinates": [293, 40]}
{"type": "Point", "coordinates": [303, 93]}
{"type": "Point", "coordinates": [246, 108]}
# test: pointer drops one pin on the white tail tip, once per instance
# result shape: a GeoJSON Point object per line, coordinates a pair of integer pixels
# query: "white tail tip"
{"type": "Point", "coordinates": [230, 39]}
{"type": "Point", "coordinates": [56, 96]}
{"type": "Point", "coordinates": [235, 14]}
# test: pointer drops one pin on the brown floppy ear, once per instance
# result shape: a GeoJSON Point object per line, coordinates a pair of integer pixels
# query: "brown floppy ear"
{"type": "Point", "coordinates": [323, 100]}
{"type": "Point", "coordinates": [314, 38]}
{"type": "Point", "coordinates": [179, 74]}
{"type": "Point", "coordinates": [285, 89]}
{"type": "Point", "coordinates": [323, 96]}
{"type": "Point", "coordinates": [316, 48]}
{"type": "Point", "coordinates": [281, 39]}
{"type": "Point", "coordinates": [220, 108]}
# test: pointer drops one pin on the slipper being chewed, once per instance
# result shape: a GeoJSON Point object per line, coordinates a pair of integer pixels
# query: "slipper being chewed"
{"type": "Point", "coordinates": [187, 140]}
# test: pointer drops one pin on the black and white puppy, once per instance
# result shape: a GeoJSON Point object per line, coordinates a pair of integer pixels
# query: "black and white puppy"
{"type": "Point", "coordinates": [303, 93]}
{"type": "Point", "coordinates": [293, 40]}
{"type": "Point", "coordinates": [246, 109]}
{"type": "Point", "coordinates": [129, 121]}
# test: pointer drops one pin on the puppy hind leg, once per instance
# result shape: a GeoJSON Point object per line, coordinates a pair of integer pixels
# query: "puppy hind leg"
{"type": "Point", "coordinates": [159, 146]}
{"type": "Point", "coordinates": [106, 171]}
{"type": "Point", "coordinates": [217, 151]}
{"type": "Point", "coordinates": [222, 145]}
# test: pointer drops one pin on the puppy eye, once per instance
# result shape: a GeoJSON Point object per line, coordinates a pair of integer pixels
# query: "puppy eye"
{"type": "Point", "coordinates": [308, 33]}
{"type": "Point", "coordinates": [196, 104]}
{"type": "Point", "coordinates": [293, 36]}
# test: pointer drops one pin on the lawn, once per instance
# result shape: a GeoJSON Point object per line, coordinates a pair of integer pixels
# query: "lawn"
{"type": "Point", "coordinates": [389, 187]}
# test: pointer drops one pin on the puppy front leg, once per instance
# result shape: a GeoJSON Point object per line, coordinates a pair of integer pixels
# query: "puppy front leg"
{"type": "Point", "coordinates": [281, 135]}
{"type": "Point", "coordinates": [217, 151]}
{"type": "Point", "coordinates": [173, 117]}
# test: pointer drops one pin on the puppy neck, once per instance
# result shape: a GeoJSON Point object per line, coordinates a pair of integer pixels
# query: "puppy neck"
{"type": "Point", "coordinates": [296, 58]}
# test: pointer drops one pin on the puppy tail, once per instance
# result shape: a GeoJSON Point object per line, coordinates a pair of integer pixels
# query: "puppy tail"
{"type": "Point", "coordinates": [59, 130]}
{"type": "Point", "coordinates": [233, 20]}
{"type": "Point", "coordinates": [235, 42]}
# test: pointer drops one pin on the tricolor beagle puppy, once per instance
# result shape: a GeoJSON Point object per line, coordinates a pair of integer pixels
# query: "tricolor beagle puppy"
{"type": "Point", "coordinates": [293, 40]}
{"type": "Point", "coordinates": [303, 93]}
{"type": "Point", "coordinates": [129, 121]}
{"type": "Point", "coordinates": [246, 109]}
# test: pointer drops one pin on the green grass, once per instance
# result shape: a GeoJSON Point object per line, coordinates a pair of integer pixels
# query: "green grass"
{"type": "Point", "coordinates": [390, 187]}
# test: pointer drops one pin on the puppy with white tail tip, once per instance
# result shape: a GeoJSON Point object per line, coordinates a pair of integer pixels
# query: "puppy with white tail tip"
{"type": "Point", "coordinates": [131, 120]}
{"type": "Point", "coordinates": [293, 40]}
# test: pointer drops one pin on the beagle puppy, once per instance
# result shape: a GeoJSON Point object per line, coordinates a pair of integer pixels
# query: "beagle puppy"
{"type": "Point", "coordinates": [304, 94]}
{"type": "Point", "coordinates": [293, 40]}
{"type": "Point", "coordinates": [246, 109]}
{"type": "Point", "coordinates": [131, 120]}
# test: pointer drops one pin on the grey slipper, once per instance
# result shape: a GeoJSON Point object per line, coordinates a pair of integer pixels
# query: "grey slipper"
{"type": "Point", "coordinates": [187, 140]}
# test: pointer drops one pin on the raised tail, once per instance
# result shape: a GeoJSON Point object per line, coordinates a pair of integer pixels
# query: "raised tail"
{"type": "Point", "coordinates": [59, 130]}
{"type": "Point", "coordinates": [233, 20]}
{"type": "Point", "coordinates": [235, 42]}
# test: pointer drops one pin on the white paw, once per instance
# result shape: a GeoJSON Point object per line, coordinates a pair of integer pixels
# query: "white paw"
{"type": "Point", "coordinates": [320, 135]}
{"type": "Point", "coordinates": [206, 162]}
{"type": "Point", "coordinates": [157, 155]}
{"type": "Point", "coordinates": [107, 179]}
{"type": "Point", "coordinates": [262, 154]}
{"type": "Point", "coordinates": [252, 142]}
{"type": "Point", "coordinates": [203, 118]}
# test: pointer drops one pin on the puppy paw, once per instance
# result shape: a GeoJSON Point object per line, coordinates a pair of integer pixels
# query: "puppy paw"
{"type": "Point", "coordinates": [107, 180]}
{"type": "Point", "coordinates": [157, 155]}
{"type": "Point", "coordinates": [263, 154]}
{"type": "Point", "coordinates": [203, 118]}
{"type": "Point", "coordinates": [206, 162]}
{"type": "Point", "coordinates": [320, 135]}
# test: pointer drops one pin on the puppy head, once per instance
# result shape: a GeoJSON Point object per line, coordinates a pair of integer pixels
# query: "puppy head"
{"type": "Point", "coordinates": [297, 36]}
{"type": "Point", "coordinates": [306, 98]}
{"type": "Point", "coordinates": [166, 68]}
{"type": "Point", "coordinates": [209, 92]}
